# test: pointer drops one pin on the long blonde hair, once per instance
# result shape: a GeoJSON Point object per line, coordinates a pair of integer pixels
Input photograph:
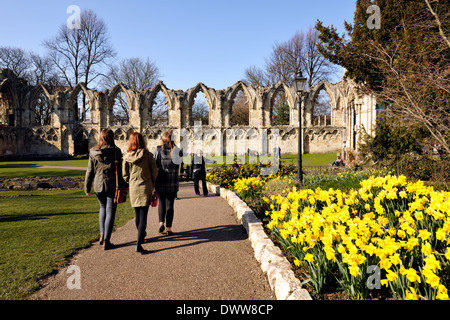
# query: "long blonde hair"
{"type": "Point", "coordinates": [166, 139]}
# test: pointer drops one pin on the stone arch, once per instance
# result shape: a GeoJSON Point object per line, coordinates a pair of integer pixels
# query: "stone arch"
{"type": "Point", "coordinates": [81, 140]}
{"type": "Point", "coordinates": [232, 92]}
{"type": "Point", "coordinates": [76, 90]}
{"type": "Point", "coordinates": [314, 93]}
{"type": "Point", "coordinates": [149, 96]}
{"type": "Point", "coordinates": [73, 98]}
{"type": "Point", "coordinates": [273, 94]}
{"type": "Point", "coordinates": [113, 93]}
{"type": "Point", "coordinates": [120, 87]}
{"type": "Point", "coordinates": [191, 95]}
{"type": "Point", "coordinates": [8, 103]}
{"type": "Point", "coordinates": [230, 96]}
{"type": "Point", "coordinates": [39, 92]}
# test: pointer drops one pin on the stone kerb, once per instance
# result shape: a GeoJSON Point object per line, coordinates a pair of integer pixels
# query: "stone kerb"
{"type": "Point", "coordinates": [273, 263]}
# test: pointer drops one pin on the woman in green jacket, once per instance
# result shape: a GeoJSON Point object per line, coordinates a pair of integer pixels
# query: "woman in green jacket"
{"type": "Point", "coordinates": [104, 158]}
{"type": "Point", "coordinates": [139, 171]}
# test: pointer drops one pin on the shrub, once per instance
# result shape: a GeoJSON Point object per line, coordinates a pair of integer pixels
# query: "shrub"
{"type": "Point", "coordinates": [226, 175]}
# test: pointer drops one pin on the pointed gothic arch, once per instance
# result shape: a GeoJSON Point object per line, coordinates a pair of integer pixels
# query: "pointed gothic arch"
{"type": "Point", "coordinates": [8, 103]}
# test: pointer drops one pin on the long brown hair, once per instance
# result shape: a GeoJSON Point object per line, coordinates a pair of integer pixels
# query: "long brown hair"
{"type": "Point", "coordinates": [106, 138]}
{"type": "Point", "coordinates": [136, 141]}
{"type": "Point", "coordinates": [166, 140]}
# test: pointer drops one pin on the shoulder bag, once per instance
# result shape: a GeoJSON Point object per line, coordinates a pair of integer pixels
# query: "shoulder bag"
{"type": "Point", "coordinates": [121, 193]}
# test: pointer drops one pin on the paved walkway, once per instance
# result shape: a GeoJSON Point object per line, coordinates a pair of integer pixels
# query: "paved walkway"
{"type": "Point", "coordinates": [209, 257]}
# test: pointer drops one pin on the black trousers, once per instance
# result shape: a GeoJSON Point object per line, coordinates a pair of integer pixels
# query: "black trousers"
{"type": "Point", "coordinates": [165, 207]}
{"type": "Point", "coordinates": [141, 223]}
{"type": "Point", "coordinates": [205, 189]}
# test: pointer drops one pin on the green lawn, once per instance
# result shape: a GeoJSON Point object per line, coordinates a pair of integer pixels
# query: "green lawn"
{"type": "Point", "coordinates": [18, 169]}
{"type": "Point", "coordinates": [310, 160]}
{"type": "Point", "coordinates": [40, 229]}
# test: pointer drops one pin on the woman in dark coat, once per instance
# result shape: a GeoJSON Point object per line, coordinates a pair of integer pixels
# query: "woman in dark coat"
{"type": "Point", "coordinates": [104, 158]}
{"type": "Point", "coordinates": [199, 172]}
{"type": "Point", "coordinates": [168, 160]}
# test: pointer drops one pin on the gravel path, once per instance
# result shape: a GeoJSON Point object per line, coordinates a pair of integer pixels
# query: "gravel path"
{"type": "Point", "coordinates": [209, 257]}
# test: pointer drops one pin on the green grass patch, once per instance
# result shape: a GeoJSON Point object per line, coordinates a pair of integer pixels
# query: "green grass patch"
{"type": "Point", "coordinates": [310, 160]}
{"type": "Point", "coordinates": [40, 229]}
{"type": "Point", "coordinates": [20, 169]}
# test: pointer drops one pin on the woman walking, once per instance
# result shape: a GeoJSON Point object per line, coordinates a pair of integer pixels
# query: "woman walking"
{"type": "Point", "coordinates": [199, 172]}
{"type": "Point", "coordinates": [104, 159]}
{"type": "Point", "coordinates": [139, 171]}
{"type": "Point", "coordinates": [168, 162]}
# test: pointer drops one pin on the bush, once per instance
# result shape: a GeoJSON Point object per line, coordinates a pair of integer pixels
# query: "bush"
{"type": "Point", "coordinates": [226, 175]}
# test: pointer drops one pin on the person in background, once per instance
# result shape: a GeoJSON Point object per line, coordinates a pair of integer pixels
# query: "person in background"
{"type": "Point", "coordinates": [104, 158]}
{"type": "Point", "coordinates": [338, 162]}
{"type": "Point", "coordinates": [167, 183]}
{"type": "Point", "coordinates": [199, 171]}
{"type": "Point", "coordinates": [140, 172]}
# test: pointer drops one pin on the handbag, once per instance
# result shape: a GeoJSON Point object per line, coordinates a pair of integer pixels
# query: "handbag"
{"type": "Point", "coordinates": [120, 195]}
{"type": "Point", "coordinates": [154, 200]}
{"type": "Point", "coordinates": [197, 175]}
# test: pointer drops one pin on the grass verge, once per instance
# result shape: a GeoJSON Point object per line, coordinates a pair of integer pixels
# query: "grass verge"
{"type": "Point", "coordinates": [39, 230]}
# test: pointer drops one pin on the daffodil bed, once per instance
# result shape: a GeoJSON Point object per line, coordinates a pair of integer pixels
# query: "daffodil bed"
{"type": "Point", "coordinates": [388, 235]}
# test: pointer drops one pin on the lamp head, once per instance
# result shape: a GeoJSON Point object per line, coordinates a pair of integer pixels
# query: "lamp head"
{"type": "Point", "coordinates": [299, 82]}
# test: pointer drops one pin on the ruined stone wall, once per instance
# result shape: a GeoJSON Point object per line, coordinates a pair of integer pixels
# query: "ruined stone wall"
{"type": "Point", "coordinates": [66, 134]}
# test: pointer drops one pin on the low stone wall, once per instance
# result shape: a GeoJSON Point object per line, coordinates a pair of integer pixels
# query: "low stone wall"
{"type": "Point", "coordinates": [42, 183]}
{"type": "Point", "coordinates": [272, 261]}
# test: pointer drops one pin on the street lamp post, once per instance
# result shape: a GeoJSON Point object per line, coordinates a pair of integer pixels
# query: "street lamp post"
{"type": "Point", "coordinates": [299, 86]}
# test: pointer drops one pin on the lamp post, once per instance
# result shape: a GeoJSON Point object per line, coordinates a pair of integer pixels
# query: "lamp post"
{"type": "Point", "coordinates": [299, 86]}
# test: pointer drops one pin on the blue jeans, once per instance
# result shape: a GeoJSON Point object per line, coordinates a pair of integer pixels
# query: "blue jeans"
{"type": "Point", "coordinates": [107, 213]}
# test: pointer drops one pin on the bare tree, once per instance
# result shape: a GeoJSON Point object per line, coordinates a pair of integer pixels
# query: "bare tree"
{"type": "Point", "coordinates": [316, 67]}
{"type": "Point", "coordinates": [137, 74]}
{"type": "Point", "coordinates": [15, 59]}
{"type": "Point", "coordinates": [43, 71]}
{"type": "Point", "coordinates": [256, 77]}
{"type": "Point", "coordinates": [77, 53]}
{"type": "Point", "coordinates": [240, 110]}
{"type": "Point", "coordinates": [200, 112]}
{"type": "Point", "coordinates": [96, 45]}
{"type": "Point", "coordinates": [286, 58]}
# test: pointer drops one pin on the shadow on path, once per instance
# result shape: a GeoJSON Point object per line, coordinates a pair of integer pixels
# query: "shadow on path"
{"type": "Point", "coordinates": [195, 237]}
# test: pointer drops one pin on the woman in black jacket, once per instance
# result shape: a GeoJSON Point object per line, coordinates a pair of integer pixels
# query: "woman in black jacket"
{"type": "Point", "coordinates": [104, 158]}
{"type": "Point", "coordinates": [168, 160]}
{"type": "Point", "coordinates": [199, 171]}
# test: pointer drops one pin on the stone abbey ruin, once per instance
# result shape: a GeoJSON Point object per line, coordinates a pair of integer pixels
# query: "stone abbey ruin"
{"type": "Point", "coordinates": [65, 132]}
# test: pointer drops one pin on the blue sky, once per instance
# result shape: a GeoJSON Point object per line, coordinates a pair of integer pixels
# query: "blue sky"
{"type": "Point", "coordinates": [191, 41]}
